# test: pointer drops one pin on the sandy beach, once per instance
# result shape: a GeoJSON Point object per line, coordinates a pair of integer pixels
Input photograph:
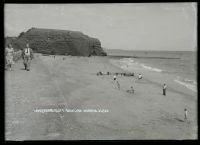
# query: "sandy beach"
{"type": "Point", "coordinates": [72, 83]}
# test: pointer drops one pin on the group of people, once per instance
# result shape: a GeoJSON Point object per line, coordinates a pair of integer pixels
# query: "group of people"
{"type": "Point", "coordinates": [185, 110]}
{"type": "Point", "coordinates": [27, 56]}
{"type": "Point", "coordinates": [164, 92]}
{"type": "Point", "coordinates": [116, 74]}
{"type": "Point", "coordinates": [131, 89]}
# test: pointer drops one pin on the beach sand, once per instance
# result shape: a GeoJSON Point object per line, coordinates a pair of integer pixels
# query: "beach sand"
{"type": "Point", "coordinates": [73, 84]}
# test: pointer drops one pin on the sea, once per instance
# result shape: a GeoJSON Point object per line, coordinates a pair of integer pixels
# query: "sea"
{"type": "Point", "coordinates": [182, 64]}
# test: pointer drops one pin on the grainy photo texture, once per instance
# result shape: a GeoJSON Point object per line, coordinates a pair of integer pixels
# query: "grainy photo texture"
{"type": "Point", "coordinates": [101, 71]}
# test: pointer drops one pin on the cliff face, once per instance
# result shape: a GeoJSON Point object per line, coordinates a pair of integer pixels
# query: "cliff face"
{"type": "Point", "coordinates": [63, 42]}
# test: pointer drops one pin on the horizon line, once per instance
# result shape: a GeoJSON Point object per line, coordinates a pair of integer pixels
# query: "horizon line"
{"type": "Point", "coordinates": [149, 50]}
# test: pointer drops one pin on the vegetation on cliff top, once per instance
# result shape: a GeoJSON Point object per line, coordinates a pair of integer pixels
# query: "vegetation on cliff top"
{"type": "Point", "coordinates": [62, 42]}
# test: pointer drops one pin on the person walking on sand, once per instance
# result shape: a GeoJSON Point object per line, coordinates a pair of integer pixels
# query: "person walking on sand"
{"type": "Point", "coordinates": [185, 114]}
{"type": "Point", "coordinates": [27, 56]}
{"type": "Point", "coordinates": [114, 79]}
{"type": "Point", "coordinates": [164, 89]}
{"type": "Point", "coordinates": [9, 53]}
{"type": "Point", "coordinates": [118, 85]}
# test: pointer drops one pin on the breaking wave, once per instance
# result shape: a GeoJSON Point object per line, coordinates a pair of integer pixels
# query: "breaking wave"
{"type": "Point", "coordinates": [190, 84]}
{"type": "Point", "coordinates": [151, 68]}
{"type": "Point", "coordinates": [129, 64]}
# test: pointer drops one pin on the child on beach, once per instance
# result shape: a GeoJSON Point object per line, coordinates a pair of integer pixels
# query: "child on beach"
{"type": "Point", "coordinates": [116, 81]}
{"type": "Point", "coordinates": [131, 90]}
{"type": "Point", "coordinates": [139, 76]}
{"type": "Point", "coordinates": [118, 85]}
{"type": "Point", "coordinates": [185, 114]}
{"type": "Point", "coordinates": [164, 89]}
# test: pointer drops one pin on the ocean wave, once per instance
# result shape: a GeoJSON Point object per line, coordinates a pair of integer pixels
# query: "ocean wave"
{"type": "Point", "coordinates": [127, 60]}
{"type": "Point", "coordinates": [186, 80]}
{"type": "Point", "coordinates": [151, 68]}
{"type": "Point", "coordinates": [128, 64]}
{"type": "Point", "coordinates": [131, 64]}
{"type": "Point", "coordinates": [190, 81]}
{"type": "Point", "coordinates": [191, 86]}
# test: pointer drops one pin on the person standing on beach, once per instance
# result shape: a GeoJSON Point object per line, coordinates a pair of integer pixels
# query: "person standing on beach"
{"type": "Point", "coordinates": [185, 114]}
{"type": "Point", "coordinates": [9, 53]}
{"type": "Point", "coordinates": [164, 89]}
{"type": "Point", "coordinates": [114, 77]}
{"type": "Point", "coordinates": [27, 56]}
{"type": "Point", "coordinates": [116, 81]}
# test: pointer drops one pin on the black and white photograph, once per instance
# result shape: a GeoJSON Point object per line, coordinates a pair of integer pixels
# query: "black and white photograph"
{"type": "Point", "coordinates": [100, 71]}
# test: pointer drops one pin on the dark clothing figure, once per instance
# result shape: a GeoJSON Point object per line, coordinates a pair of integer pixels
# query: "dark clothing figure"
{"type": "Point", "coordinates": [164, 92]}
{"type": "Point", "coordinates": [164, 89]}
{"type": "Point", "coordinates": [27, 63]}
{"type": "Point", "coordinates": [27, 56]}
{"type": "Point", "coordinates": [99, 73]}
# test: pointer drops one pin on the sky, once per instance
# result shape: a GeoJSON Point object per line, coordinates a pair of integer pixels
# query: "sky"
{"type": "Point", "coordinates": [128, 26]}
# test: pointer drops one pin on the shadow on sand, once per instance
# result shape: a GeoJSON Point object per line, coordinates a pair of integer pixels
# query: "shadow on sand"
{"type": "Point", "coordinates": [180, 120]}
